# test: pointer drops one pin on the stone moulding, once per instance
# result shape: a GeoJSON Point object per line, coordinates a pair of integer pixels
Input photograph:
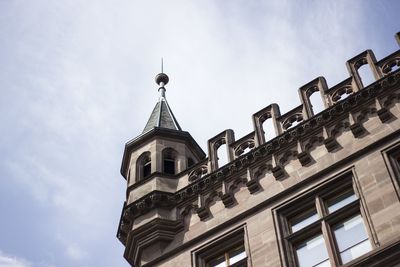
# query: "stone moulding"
{"type": "Point", "coordinates": [337, 114]}
{"type": "Point", "coordinates": [157, 230]}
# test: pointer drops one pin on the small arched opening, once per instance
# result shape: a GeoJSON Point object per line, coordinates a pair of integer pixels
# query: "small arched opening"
{"type": "Point", "coordinates": [169, 159]}
{"type": "Point", "coordinates": [143, 166]}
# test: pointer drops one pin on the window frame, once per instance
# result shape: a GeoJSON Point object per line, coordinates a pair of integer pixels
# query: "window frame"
{"type": "Point", "coordinates": [144, 160]}
{"type": "Point", "coordinates": [218, 246]}
{"type": "Point", "coordinates": [391, 157]}
{"type": "Point", "coordinates": [317, 197]}
{"type": "Point", "coordinates": [169, 155]}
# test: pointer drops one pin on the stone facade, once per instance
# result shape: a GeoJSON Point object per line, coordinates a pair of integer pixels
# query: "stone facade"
{"type": "Point", "coordinates": [275, 202]}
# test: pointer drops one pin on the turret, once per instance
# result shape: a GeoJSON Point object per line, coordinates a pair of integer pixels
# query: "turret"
{"type": "Point", "coordinates": [154, 162]}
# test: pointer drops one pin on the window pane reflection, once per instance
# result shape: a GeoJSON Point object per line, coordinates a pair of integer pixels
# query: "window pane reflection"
{"type": "Point", "coordinates": [313, 253]}
{"type": "Point", "coordinates": [217, 262]}
{"type": "Point", "coordinates": [303, 220]}
{"type": "Point", "coordinates": [341, 201]}
{"type": "Point", "coordinates": [351, 238]}
{"type": "Point", "coordinates": [229, 257]}
{"type": "Point", "coordinates": [236, 255]}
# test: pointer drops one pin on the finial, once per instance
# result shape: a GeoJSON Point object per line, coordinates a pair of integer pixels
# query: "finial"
{"type": "Point", "coordinates": [162, 79]}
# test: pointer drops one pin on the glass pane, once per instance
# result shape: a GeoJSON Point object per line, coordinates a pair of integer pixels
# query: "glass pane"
{"type": "Point", "coordinates": [303, 220]}
{"type": "Point", "coordinates": [312, 252]}
{"type": "Point", "coordinates": [147, 170]}
{"type": "Point", "coordinates": [350, 232]}
{"type": "Point", "coordinates": [351, 238]}
{"type": "Point", "coordinates": [355, 251]}
{"type": "Point", "coordinates": [341, 201]}
{"type": "Point", "coordinates": [217, 262]}
{"type": "Point", "coordinates": [237, 255]}
{"type": "Point", "coordinates": [323, 264]}
{"type": "Point", "coordinates": [169, 166]}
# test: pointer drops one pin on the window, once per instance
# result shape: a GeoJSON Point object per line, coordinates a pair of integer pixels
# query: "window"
{"type": "Point", "coordinates": [228, 257]}
{"type": "Point", "coordinates": [169, 166]}
{"type": "Point", "coordinates": [169, 161]}
{"type": "Point", "coordinates": [228, 251]}
{"type": "Point", "coordinates": [392, 158]}
{"type": "Point", "coordinates": [326, 228]}
{"type": "Point", "coordinates": [143, 166]}
{"type": "Point", "coordinates": [147, 168]}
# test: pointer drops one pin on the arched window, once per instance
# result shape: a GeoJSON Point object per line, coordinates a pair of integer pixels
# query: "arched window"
{"type": "Point", "coordinates": [143, 166]}
{"type": "Point", "coordinates": [169, 157]}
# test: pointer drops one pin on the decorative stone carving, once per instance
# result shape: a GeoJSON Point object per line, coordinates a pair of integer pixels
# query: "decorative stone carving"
{"type": "Point", "coordinates": [239, 146]}
{"type": "Point", "coordinates": [253, 184]}
{"type": "Point", "coordinates": [366, 57]}
{"type": "Point", "coordinates": [270, 112]}
{"type": "Point", "coordinates": [303, 156]}
{"type": "Point", "coordinates": [198, 173]}
{"type": "Point", "coordinates": [288, 119]}
{"type": "Point", "coordinates": [316, 85]}
{"type": "Point", "coordinates": [226, 137]}
{"type": "Point", "coordinates": [329, 141]}
{"type": "Point", "coordinates": [356, 127]}
{"type": "Point", "coordinates": [383, 114]}
{"type": "Point", "coordinates": [277, 170]}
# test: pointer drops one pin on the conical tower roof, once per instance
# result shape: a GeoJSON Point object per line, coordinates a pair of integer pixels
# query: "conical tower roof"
{"type": "Point", "coordinates": [162, 115]}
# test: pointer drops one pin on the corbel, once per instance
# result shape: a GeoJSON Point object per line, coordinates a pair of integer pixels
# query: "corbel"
{"type": "Point", "coordinates": [383, 113]}
{"type": "Point", "coordinates": [252, 184]}
{"type": "Point", "coordinates": [303, 156]}
{"type": "Point", "coordinates": [356, 127]}
{"type": "Point", "coordinates": [202, 209]}
{"type": "Point", "coordinates": [226, 196]}
{"type": "Point", "coordinates": [329, 141]}
{"type": "Point", "coordinates": [277, 170]}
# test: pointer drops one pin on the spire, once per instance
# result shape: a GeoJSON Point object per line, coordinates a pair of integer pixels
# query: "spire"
{"type": "Point", "coordinates": [162, 115]}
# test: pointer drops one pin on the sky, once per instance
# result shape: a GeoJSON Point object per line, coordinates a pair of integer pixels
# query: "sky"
{"type": "Point", "coordinates": [77, 83]}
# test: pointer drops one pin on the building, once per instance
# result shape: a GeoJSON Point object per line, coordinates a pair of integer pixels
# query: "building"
{"type": "Point", "coordinates": [324, 192]}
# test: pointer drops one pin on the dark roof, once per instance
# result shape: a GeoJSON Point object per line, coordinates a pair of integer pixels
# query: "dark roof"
{"type": "Point", "coordinates": [162, 117]}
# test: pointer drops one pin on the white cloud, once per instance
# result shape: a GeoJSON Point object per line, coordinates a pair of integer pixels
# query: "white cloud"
{"type": "Point", "coordinates": [12, 261]}
{"type": "Point", "coordinates": [75, 252]}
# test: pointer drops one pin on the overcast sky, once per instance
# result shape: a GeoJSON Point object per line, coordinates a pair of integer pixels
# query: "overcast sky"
{"type": "Point", "coordinates": [77, 82]}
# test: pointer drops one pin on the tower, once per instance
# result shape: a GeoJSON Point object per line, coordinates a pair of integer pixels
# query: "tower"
{"type": "Point", "coordinates": [151, 164]}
